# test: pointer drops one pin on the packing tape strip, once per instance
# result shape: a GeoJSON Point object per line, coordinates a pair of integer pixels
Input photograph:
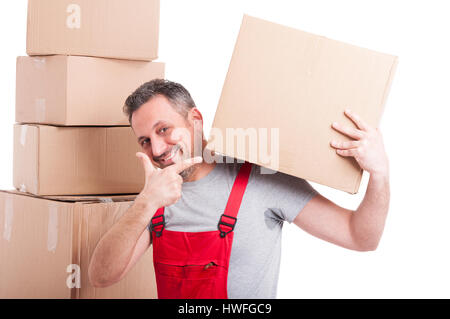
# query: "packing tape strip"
{"type": "Point", "coordinates": [36, 182]}
{"type": "Point", "coordinates": [9, 214]}
{"type": "Point", "coordinates": [23, 134]}
{"type": "Point", "coordinates": [40, 108]}
{"type": "Point", "coordinates": [39, 63]}
{"type": "Point", "coordinates": [52, 238]}
{"type": "Point", "coordinates": [23, 188]}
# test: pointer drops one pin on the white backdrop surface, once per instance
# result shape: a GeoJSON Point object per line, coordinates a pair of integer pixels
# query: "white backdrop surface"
{"type": "Point", "coordinates": [196, 41]}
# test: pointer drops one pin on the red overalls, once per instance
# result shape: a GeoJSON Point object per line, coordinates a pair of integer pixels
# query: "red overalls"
{"type": "Point", "coordinates": [195, 265]}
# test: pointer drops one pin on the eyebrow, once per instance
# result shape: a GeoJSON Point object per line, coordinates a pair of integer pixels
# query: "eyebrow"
{"type": "Point", "coordinates": [154, 125]}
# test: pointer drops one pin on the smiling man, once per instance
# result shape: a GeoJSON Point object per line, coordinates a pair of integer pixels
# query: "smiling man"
{"type": "Point", "coordinates": [216, 226]}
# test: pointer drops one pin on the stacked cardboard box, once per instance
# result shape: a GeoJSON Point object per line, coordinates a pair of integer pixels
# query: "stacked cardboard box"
{"type": "Point", "coordinates": [71, 138]}
{"type": "Point", "coordinates": [47, 245]}
{"type": "Point", "coordinates": [292, 85]}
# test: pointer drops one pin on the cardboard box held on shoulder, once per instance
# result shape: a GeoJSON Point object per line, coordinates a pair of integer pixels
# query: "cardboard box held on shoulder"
{"type": "Point", "coordinates": [286, 87]}
{"type": "Point", "coordinates": [105, 28]}
{"type": "Point", "coordinates": [73, 90]}
{"type": "Point", "coordinates": [47, 243]}
{"type": "Point", "coordinates": [55, 160]}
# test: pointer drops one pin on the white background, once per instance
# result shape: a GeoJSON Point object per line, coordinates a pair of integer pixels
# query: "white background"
{"type": "Point", "coordinates": [196, 41]}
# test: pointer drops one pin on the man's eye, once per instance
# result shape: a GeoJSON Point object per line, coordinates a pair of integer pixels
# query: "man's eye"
{"type": "Point", "coordinates": [163, 129]}
{"type": "Point", "coordinates": [145, 142]}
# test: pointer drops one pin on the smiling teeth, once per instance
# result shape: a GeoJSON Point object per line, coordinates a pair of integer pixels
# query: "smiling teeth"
{"type": "Point", "coordinates": [170, 157]}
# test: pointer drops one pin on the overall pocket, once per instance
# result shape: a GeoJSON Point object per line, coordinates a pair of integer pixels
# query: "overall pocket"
{"type": "Point", "coordinates": [202, 280]}
{"type": "Point", "coordinates": [189, 271]}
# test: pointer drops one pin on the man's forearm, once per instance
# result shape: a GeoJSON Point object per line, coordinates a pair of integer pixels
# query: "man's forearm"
{"type": "Point", "coordinates": [114, 250]}
{"type": "Point", "coordinates": [367, 222]}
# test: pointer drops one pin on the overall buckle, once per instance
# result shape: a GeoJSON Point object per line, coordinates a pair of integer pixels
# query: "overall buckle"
{"type": "Point", "coordinates": [223, 232]}
{"type": "Point", "coordinates": [162, 223]}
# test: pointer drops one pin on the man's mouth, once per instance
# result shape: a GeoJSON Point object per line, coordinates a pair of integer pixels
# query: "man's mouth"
{"type": "Point", "coordinates": [168, 159]}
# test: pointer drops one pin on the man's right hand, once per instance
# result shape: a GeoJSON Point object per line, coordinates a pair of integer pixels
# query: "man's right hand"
{"type": "Point", "coordinates": [163, 186]}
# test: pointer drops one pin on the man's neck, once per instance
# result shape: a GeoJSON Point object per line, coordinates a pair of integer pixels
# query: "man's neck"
{"type": "Point", "coordinates": [200, 170]}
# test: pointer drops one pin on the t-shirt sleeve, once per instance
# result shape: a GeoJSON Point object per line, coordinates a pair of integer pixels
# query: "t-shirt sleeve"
{"type": "Point", "coordinates": [284, 194]}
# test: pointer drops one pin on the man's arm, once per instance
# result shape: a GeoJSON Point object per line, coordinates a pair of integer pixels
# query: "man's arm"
{"type": "Point", "coordinates": [357, 230]}
{"type": "Point", "coordinates": [360, 229]}
{"type": "Point", "coordinates": [122, 246]}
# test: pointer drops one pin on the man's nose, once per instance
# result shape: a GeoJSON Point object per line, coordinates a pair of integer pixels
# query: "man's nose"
{"type": "Point", "coordinates": [158, 147]}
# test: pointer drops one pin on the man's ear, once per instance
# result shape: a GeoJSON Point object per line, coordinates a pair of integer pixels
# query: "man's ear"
{"type": "Point", "coordinates": [196, 120]}
{"type": "Point", "coordinates": [195, 115]}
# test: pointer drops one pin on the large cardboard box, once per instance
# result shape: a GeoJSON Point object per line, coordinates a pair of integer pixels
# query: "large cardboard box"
{"type": "Point", "coordinates": [286, 87]}
{"type": "Point", "coordinates": [72, 90]}
{"type": "Point", "coordinates": [58, 160]}
{"type": "Point", "coordinates": [46, 245]}
{"type": "Point", "coordinates": [104, 28]}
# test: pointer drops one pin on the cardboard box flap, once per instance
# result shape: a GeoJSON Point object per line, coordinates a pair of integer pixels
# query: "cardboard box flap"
{"type": "Point", "coordinates": [79, 199]}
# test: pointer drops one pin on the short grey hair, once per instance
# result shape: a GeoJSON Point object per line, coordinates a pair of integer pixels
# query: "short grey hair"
{"type": "Point", "coordinates": [178, 96]}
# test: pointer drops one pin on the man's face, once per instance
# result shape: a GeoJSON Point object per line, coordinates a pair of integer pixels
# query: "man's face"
{"type": "Point", "coordinates": [164, 134]}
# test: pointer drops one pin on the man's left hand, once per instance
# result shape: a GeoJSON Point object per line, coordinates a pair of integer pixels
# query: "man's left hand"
{"type": "Point", "coordinates": [366, 147]}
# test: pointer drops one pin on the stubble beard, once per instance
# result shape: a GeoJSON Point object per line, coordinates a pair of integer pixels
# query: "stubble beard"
{"type": "Point", "coordinates": [188, 172]}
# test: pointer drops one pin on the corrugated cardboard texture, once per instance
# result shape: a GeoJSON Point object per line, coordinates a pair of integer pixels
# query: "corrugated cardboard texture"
{"type": "Point", "coordinates": [103, 28]}
{"type": "Point", "coordinates": [72, 90]}
{"type": "Point", "coordinates": [300, 83]}
{"type": "Point", "coordinates": [76, 160]}
{"type": "Point", "coordinates": [47, 236]}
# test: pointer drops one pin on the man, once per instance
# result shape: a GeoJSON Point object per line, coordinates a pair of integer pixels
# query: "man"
{"type": "Point", "coordinates": [195, 192]}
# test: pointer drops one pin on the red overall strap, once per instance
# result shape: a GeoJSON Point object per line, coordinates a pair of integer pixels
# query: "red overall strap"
{"type": "Point", "coordinates": [229, 217]}
{"type": "Point", "coordinates": [158, 222]}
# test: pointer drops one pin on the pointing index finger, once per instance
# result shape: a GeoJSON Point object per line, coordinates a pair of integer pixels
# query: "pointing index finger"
{"type": "Point", "coordinates": [181, 166]}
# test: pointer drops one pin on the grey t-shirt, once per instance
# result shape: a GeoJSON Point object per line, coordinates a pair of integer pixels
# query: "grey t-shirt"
{"type": "Point", "coordinates": [269, 200]}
